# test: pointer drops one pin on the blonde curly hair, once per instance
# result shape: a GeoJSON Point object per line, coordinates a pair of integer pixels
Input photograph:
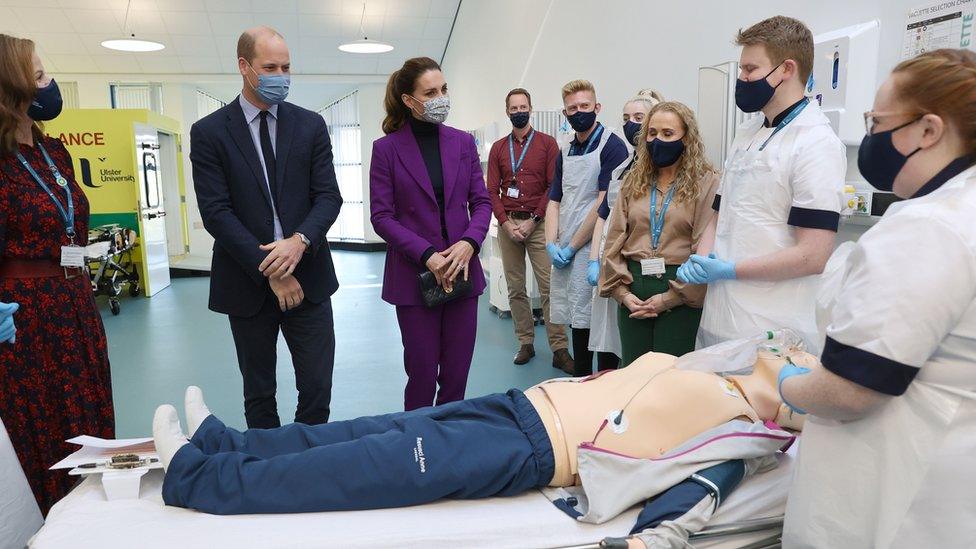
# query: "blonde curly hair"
{"type": "Point", "coordinates": [692, 168]}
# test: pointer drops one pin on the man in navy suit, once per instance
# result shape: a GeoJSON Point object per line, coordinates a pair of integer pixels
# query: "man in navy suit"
{"type": "Point", "coordinates": [263, 174]}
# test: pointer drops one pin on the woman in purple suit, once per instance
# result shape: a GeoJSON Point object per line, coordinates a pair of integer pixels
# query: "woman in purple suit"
{"type": "Point", "coordinates": [428, 201]}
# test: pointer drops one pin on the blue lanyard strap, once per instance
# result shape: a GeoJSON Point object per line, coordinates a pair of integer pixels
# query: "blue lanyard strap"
{"type": "Point", "coordinates": [592, 141]}
{"type": "Point", "coordinates": [511, 152]}
{"type": "Point", "coordinates": [69, 215]}
{"type": "Point", "coordinates": [657, 222]}
{"type": "Point", "coordinates": [789, 118]}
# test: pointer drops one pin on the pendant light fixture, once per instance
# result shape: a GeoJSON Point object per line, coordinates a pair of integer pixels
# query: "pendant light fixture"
{"type": "Point", "coordinates": [365, 45]}
{"type": "Point", "coordinates": [129, 42]}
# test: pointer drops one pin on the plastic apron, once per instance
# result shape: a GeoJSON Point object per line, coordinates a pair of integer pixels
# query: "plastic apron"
{"type": "Point", "coordinates": [756, 199]}
{"type": "Point", "coordinates": [604, 333]}
{"type": "Point", "coordinates": [570, 294]}
{"type": "Point", "coordinates": [895, 478]}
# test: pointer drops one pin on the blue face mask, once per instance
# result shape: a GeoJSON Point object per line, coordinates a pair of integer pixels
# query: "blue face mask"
{"type": "Point", "coordinates": [47, 103]}
{"type": "Point", "coordinates": [519, 119]}
{"type": "Point", "coordinates": [879, 161]}
{"type": "Point", "coordinates": [753, 96]}
{"type": "Point", "coordinates": [630, 131]}
{"type": "Point", "coordinates": [582, 121]}
{"type": "Point", "coordinates": [665, 153]}
{"type": "Point", "coordinates": [272, 88]}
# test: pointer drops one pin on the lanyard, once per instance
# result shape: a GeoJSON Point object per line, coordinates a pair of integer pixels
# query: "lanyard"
{"type": "Point", "coordinates": [657, 223]}
{"type": "Point", "coordinates": [69, 215]}
{"type": "Point", "coordinates": [511, 152]}
{"type": "Point", "coordinates": [594, 138]}
{"type": "Point", "coordinates": [789, 118]}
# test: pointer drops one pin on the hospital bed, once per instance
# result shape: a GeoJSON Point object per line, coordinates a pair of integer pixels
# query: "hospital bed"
{"type": "Point", "coordinates": [19, 515]}
{"type": "Point", "coordinates": [85, 519]}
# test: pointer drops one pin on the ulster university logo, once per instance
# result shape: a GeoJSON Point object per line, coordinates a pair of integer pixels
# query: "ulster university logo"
{"type": "Point", "coordinates": [105, 175]}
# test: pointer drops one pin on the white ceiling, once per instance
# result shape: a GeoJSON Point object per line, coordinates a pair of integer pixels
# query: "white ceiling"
{"type": "Point", "coordinates": [201, 35]}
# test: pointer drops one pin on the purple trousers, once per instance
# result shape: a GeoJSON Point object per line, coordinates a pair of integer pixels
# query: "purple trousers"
{"type": "Point", "coordinates": [438, 344]}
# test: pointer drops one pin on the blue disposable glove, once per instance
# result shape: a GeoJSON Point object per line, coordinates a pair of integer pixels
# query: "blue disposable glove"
{"type": "Point", "coordinates": [567, 254]}
{"type": "Point", "coordinates": [593, 271]}
{"type": "Point", "coordinates": [554, 256]}
{"type": "Point", "coordinates": [790, 370]}
{"type": "Point", "coordinates": [690, 273]}
{"type": "Point", "coordinates": [8, 332]}
{"type": "Point", "coordinates": [715, 268]}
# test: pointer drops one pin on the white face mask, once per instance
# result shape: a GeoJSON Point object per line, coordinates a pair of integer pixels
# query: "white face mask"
{"type": "Point", "coordinates": [436, 109]}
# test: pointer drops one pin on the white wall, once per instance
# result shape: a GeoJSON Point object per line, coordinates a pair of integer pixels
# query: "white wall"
{"type": "Point", "coordinates": [371, 115]}
{"type": "Point", "coordinates": [625, 45]}
{"type": "Point", "coordinates": [621, 46]}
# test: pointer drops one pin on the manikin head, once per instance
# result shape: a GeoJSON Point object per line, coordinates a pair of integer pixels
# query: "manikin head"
{"type": "Point", "coordinates": [760, 387]}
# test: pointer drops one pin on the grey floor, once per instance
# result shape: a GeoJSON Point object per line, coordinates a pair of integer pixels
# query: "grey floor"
{"type": "Point", "coordinates": [160, 345]}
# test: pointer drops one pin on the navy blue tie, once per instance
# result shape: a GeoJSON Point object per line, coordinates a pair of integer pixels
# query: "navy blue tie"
{"type": "Point", "coordinates": [269, 156]}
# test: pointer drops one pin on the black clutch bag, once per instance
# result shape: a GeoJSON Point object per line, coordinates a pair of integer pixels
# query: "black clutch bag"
{"type": "Point", "coordinates": [433, 294]}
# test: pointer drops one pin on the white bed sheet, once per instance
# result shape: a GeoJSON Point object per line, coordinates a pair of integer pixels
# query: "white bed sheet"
{"type": "Point", "coordinates": [85, 519]}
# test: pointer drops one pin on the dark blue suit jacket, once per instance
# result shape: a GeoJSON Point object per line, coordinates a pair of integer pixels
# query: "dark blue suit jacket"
{"type": "Point", "coordinates": [236, 206]}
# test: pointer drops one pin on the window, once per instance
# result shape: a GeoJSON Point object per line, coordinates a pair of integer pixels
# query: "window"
{"type": "Point", "coordinates": [138, 96]}
{"type": "Point", "coordinates": [342, 118]}
{"type": "Point", "coordinates": [207, 104]}
{"type": "Point", "coordinates": [69, 93]}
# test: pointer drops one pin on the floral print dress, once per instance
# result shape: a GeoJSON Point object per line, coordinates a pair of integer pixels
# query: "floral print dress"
{"type": "Point", "coordinates": [55, 381]}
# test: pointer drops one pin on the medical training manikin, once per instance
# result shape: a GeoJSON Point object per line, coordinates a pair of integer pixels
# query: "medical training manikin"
{"type": "Point", "coordinates": [596, 446]}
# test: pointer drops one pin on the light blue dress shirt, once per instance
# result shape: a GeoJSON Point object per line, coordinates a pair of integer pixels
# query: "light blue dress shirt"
{"type": "Point", "coordinates": [251, 116]}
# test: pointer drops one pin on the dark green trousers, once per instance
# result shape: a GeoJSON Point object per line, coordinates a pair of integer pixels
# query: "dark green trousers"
{"type": "Point", "coordinates": [672, 332]}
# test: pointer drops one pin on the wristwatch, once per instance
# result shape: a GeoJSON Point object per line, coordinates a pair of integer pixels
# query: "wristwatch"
{"type": "Point", "coordinates": [305, 241]}
{"type": "Point", "coordinates": [536, 218]}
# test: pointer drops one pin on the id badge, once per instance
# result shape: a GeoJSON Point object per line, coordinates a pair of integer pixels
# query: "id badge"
{"type": "Point", "coordinates": [72, 256]}
{"type": "Point", "coordinates": [653, 266]}
{"type": "Point", "coordinates": [512, 192]}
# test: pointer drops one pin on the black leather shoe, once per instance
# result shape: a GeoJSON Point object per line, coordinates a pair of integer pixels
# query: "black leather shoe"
{"type": "Point", "coordinates": [524, 355]}
{"type": "Point", "coordinates": [562, 361]}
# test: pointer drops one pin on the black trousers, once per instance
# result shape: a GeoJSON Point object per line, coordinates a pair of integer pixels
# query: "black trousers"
{"type": "Point", "coordinates": [310, 335]}
{"type": "Point", "coordinates": [583, 356]}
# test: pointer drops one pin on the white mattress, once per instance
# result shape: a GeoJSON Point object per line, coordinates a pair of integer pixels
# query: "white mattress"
{"type": "Point", "coordinates": [19, 514]}
{"type": "Point", "coordinates": [85, 519]}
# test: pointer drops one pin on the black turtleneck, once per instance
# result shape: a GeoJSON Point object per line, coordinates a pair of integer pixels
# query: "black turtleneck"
{"type": "Point", "coordinates": [428, 139]}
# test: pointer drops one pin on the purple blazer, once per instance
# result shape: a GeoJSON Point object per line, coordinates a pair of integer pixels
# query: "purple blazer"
{"type": "Point", "coordinates": [404, 211]}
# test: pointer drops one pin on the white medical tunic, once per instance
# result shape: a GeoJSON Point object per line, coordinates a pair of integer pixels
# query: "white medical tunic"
{"type": "Point", "coordinates": [903, 324]}
{"type": "Point", "coordinates": [771, 186]}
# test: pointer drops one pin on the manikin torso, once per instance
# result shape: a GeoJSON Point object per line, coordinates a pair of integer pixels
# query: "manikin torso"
{"type": "Point", "coordinates": [666, 407]}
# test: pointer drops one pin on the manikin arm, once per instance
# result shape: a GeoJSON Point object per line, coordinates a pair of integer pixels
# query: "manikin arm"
{"type": "Point", "coordinates": [668, 519]}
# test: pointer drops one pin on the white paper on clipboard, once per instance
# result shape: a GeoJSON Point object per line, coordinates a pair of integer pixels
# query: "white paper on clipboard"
{"type": "Point", "coordinates": [94, 450]}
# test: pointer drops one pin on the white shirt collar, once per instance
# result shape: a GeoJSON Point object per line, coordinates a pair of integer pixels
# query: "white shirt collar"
{"type": "Point", "coordinates": [251, 112]}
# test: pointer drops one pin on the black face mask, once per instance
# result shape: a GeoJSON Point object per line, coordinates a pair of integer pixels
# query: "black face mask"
{"type": "Point", "coordinates": [753, 96]}
{"type": "Point", "coordinates": [879, 161]}
{"type": "Point", "coordinates": [630, 131]}
{"type": "Point", "coordinates": [665, 153]}
{"type": "Point", "coordinates": [519, 119]}
{"type": "Point", "coordinates": [582, 121]}
{"type": "Point", "coordinates": [47, 103]}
